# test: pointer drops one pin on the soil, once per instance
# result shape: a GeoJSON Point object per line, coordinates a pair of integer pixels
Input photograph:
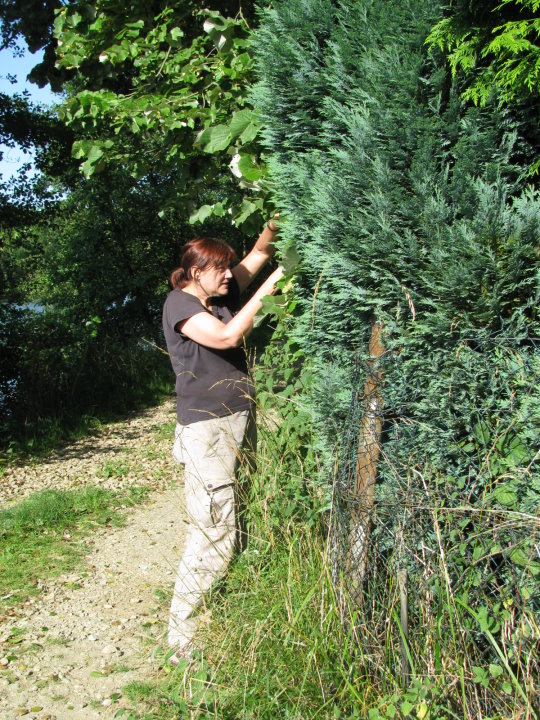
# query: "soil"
{"type": "Point", "coordinates": [72, 651]}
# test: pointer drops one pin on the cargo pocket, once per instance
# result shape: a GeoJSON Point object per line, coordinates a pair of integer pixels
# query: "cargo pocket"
{"type": "Point", "coordinates": [222, 506]}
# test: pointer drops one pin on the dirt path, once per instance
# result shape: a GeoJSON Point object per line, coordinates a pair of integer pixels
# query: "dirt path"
{"type": "Point", "coordinates": [91, 633]}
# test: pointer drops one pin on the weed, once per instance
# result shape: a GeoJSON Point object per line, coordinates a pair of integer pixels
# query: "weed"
{"type": "Point", "coordinates": [164, 431]}
{"type": "Point", "coordinates": [163, 595]}
{"type": "Point", "coordinates": [113, 469]}
{"type": "Point", "coordinates": [121, 668]}
{"type": "Point", "coordinates": [58, 640]}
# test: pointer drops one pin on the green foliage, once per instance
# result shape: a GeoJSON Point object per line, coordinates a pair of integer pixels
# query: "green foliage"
{"type": "Point", "coordinates": [411, 209]}
{"type": "Point", "coordinates": [32, 21]}
{"type": "Point", "coordinates": [114, 469]}
{"type": "Point", "coordinates": [403, 206]}
{"type": "Point", "coordinates": [499, 40]}
{"type": "Point", "coordinates": [283, 378]}
{"type": "Point", "coordinates": [175, 80]}
{"type": "Point", "coordinates": [284, 642]}
{"type": "Point", "coordinates": [156, 104]}
{"type": "Point", "coordinates": [81, 332]}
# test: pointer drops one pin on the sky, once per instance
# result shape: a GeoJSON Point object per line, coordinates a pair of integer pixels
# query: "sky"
{"type": "Point", "coordinates": [13, 158]}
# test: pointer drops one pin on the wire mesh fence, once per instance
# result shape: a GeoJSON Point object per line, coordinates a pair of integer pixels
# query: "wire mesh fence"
{"type": "Point", "coordinates": [438, 574]}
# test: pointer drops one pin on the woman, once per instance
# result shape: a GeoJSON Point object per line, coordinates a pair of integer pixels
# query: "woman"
{"type": "Point", "coordinates": [205, 330]}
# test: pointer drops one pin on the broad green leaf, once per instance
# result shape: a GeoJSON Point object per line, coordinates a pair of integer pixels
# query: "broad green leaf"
{"type": "Point", "coordinates": [406, 707]}
{"type": "Point", "coordinates": [481, 432]}
{"type": "Point", "coordinates": [272, 304]}
{"type": "Point", "coordinates": [202, 214]}
{"type": "Point", "coordinates": [290, 260]}
{"type": "Point", "coordinates": [215, 139]}
{"type": "Point", "coordinates": [519, 557]}
{"type": "Point", "coordinates": [480, 676]}
{"type": "Point", "coordinates": [219, 210]}
{"type": "Point", "coordinates": [250, 133]}
{"type": "Point", "coordinates": [78, 149]}
{"type": "Point", "coordinates": [505, 495]}
{"type": "Point", "coordinates": [240, 121]}
{"type": "Point", "coordinates": [94, 161]}
{"type": "Point", "coordinates": [176, 33]}
{"type": "Point", "coordinates": [248, 208]}
{"type": "Point", "coordinates": [249, 168]}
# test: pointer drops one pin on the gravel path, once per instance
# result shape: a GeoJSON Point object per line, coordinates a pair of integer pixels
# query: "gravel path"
{"type": "Point", "coordinates": [91, 633]}
{"type": "Point", "coordinates": [137, 451]}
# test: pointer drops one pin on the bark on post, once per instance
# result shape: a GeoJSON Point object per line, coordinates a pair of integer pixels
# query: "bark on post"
{"type": "Point", "coordinates": [369, 447]}
{"type": "Point", "coordinates": [402, 578]}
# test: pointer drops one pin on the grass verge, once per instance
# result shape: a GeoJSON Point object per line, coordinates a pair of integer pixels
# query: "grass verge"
{"type": "Point", "coordinates": [41, 537]}
{"type": "Point", "coordinates": [286, 641]}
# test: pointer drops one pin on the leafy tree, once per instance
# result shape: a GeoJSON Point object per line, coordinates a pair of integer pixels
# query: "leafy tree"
{"type": "Point", "coordinates": [24, 124]}
{"type": "Point", "coordinates": [153, 73]}
{"type": "Point", "coordinates": [163, 87]}
{"type": "Point", "coordinates": [85, 258]}
{"type": "Point", "coordinates": [32, 21]}
{"type": "Point", "coordinates": [86, 281]}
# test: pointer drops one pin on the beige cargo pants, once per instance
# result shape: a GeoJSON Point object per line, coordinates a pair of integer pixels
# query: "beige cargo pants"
{"type": "Point", "coordinates": [211, 451]}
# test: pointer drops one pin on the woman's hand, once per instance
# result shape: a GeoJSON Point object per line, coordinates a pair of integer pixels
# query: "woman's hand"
{"type": "Point", "coordinates": [249, 267]}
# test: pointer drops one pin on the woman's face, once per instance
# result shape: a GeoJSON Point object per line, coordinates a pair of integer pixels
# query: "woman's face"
{"type": "Point", "coordinates": [214, 281]}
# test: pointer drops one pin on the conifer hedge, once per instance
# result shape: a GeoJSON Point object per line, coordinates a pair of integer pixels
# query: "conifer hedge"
{"type": "Point", "coordinates": [411, 208]}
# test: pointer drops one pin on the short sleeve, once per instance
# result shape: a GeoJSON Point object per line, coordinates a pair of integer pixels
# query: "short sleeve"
{"type": "Point", "coordinates": [181, 306]}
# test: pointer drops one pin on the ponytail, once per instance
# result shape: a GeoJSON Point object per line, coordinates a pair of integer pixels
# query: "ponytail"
{"type": "Point", "coordinates": [179, 279]}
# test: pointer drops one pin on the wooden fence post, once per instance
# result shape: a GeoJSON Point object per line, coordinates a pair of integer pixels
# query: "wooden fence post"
{"type": "Point", "coordinates": [369, 447]}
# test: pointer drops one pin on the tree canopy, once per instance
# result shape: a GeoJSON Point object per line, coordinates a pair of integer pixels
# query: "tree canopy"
{"type": "Point", "coordinates": [154, 109]}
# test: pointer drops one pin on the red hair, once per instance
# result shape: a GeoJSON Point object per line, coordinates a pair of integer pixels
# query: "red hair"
{"type": "Point", "coordinates": [201, 253]}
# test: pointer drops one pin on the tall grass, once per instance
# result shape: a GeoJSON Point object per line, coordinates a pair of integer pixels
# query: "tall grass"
{"type": "Point", "coordinates": [287, 640]}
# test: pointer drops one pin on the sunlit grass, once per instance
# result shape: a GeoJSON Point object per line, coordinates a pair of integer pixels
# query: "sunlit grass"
{"type": "Point", "coordinates": [282, 642]}
{"type": "Point", "coordinates": [43, 536]}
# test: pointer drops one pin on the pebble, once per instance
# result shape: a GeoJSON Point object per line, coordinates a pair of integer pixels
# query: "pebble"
{"type": "Point", "coordinates": [108, 650]}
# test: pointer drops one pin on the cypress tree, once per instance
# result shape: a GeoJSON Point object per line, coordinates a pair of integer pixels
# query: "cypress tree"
{"type": "Point", "coordinates": [411, 209]}
{"type": "Point", "coordinates": [398, 198]}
